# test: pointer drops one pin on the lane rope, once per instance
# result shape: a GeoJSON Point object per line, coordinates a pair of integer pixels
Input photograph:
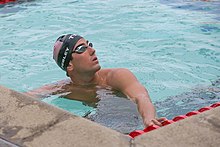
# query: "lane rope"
{"type": "Point", "coordinates": [3, 2]}
{"type": "Point", "coordinates": [175, 119]}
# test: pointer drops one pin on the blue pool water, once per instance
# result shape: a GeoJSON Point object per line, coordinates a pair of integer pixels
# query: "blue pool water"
{"type": "Point", "coordinates": [172, 46]}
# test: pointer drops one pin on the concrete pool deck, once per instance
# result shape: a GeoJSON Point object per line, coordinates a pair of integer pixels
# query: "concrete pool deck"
{"type": "Point", "coordinates": [25, 121]}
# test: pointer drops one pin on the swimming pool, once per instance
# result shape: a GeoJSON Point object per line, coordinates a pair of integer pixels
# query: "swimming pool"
{"type": "Point", "coordinates": [172, 46]}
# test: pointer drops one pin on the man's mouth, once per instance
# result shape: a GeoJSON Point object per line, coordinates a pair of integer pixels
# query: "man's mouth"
{"type": "Point", "coordinates": [94, 59]}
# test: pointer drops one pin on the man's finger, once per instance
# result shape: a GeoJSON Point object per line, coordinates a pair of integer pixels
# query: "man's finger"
{"type": "Point", "coordinates": [156, 122]}
{"type": "Point", "coordinates": [162, 119]}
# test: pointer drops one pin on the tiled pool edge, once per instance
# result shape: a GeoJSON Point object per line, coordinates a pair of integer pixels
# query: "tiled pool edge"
{"type": "Point", "coordinates": [25, 121]}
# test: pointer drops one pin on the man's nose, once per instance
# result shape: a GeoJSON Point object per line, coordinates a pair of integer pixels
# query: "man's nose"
{"type": "Point", "coordinates": [91, 50]}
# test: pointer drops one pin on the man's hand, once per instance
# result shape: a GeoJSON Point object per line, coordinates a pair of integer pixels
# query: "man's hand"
{"type": "Point", "coordinates": [156, 121]}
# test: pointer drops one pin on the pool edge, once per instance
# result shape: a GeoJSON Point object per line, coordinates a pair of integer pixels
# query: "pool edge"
{"type": "Point", "coordinates": [26, 121]}
{"type": "Point", "coordinates": [200, 130]}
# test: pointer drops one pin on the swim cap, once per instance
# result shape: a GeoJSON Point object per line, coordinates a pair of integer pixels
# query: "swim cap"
{"type": "Point", "coordinates": [63, 49]}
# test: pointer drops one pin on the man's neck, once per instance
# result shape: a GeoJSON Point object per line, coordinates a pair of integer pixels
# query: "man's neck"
{"type": "Point", "coordinates": [85, 79]}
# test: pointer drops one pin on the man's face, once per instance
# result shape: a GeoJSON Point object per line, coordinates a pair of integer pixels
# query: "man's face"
{"type": "Point", "coordinates": [84, 61]}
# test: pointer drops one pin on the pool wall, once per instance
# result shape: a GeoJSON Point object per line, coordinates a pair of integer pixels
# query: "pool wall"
{"type": "Point", "coordinates": [26, 121]}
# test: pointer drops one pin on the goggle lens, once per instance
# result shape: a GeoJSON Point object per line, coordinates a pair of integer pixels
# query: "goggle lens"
{"type": "Point", "coordinates": [82, 48]}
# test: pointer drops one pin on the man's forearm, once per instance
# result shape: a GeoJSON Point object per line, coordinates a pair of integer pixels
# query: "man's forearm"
{"type": "Point", "coordinates": [147, 110]}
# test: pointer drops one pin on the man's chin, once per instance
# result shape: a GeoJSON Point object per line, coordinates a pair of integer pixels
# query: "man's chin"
{"type": "Point", "coordinates": [98, 67]}
{"type": "Point", "coordinates": [94, 69]}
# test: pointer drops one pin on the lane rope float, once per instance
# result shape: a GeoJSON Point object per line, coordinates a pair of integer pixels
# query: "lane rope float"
{"type": "Point", "coordinates": [3, 2]}
{"type": "Point", "coordinates": [135, 133]}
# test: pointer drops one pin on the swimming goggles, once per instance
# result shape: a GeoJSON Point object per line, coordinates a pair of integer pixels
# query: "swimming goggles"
{"type": "Point", "coordinates": [82, 48]}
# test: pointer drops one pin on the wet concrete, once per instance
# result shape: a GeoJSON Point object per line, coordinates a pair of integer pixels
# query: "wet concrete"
{"type": "Point", "coordinates": [25, 121]}
{"type": "Point", "coordinates": [29, 122]}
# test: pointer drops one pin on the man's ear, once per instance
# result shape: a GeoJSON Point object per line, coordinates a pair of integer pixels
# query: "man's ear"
{"type": "Point", "coordinates": [70, 67]}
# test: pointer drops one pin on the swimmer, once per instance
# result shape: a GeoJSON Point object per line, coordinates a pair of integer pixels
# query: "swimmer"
{"type": "Point", "coordinates": [76, 56]}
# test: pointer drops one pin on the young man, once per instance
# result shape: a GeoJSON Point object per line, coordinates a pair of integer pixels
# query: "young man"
{"type": "Point", "coordinates": [77, 57]}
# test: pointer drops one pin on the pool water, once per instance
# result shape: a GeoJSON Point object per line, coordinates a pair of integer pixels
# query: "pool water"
{"type": "Point", "coordinates": [172, 46]}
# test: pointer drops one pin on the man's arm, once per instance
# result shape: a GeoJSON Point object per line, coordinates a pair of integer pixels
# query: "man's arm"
{"type": "Point", "coordinates": [125, 81]}
{"type": "Point", "coordinates": [47, 90]}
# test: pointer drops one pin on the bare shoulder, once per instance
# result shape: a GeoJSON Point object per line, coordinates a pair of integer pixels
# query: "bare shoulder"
{"type": "Point", "coordinates": [118, 78]}
{"type": "Point", "coordinates": [120, 73]}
